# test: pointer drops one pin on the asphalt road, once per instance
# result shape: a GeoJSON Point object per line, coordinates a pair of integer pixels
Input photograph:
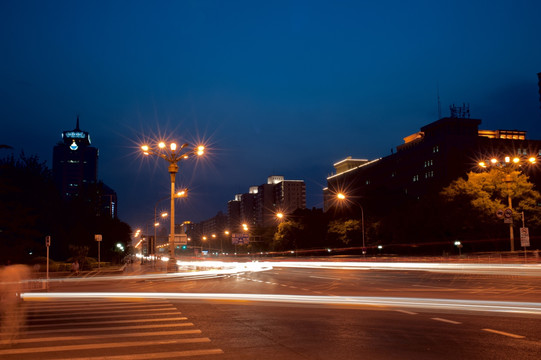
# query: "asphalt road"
{"type": "Point", "coordinates": [306, 315]}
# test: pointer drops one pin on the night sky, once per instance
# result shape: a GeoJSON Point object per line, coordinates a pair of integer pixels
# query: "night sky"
{"type": "Point", "coordinates": [272, 87]}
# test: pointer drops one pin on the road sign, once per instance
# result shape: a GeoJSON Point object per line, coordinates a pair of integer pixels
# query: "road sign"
{"type": "Point", "coordinates": [181, 239]}
{"type": "Point", "coordinates": [240, 238]}
{"type": "Point", "coordinates": [499, 214]}
{"type": "Point", "coordinates": [508, 213]}
{"type": "Point", "coordinates": [97, 237]}
{"type": "Point", "coordinates": [524, 237]}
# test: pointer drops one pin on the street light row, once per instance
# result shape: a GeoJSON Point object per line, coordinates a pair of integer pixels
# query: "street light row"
{"type": "Point", "coordinates": [507, 160]}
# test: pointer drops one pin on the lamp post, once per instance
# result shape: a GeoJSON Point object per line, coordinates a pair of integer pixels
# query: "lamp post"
{"type": "Point", "coordinates": [343, 197]}
{"type": "Point", "coordinates": [226, 233]}
{"type": "Point", "coordinates": [178, 194]}
{"type": "Point", "coordinates": [172, 155]}
{"type": "Point", "coordinates": [155, 223]}
{"type": "Point", "coordinates": [204, 238]}
{"type": "Point", "coordinates": [508, 166]}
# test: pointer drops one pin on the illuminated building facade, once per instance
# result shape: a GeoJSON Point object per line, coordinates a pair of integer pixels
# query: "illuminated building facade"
{"type": "Point", "coordinates": [75, 162]}
{"type": "Point", "coordinates": [425, 163]}
{"type": "Point", "coordinates": [75, 169]}
{"type": "Point", "coordinates": [259, 206]}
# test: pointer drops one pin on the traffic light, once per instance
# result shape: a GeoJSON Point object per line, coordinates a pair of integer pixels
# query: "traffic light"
{"type": "Point", "coordinates": [184, 247]}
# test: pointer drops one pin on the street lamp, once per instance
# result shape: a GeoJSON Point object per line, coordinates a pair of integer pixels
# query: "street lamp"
{"type": "Point", "coordinates": [226, 233]}
{"type": "Point", "coordinates": [508, 166]}
{"type": "Point", "coordinates": [204, 238]}
{"type": "Point", "coordinates": [343, 197]}
{"type": "Point", "coordinates": [179, 194]}
{"type": "Point", "coordinates": [172, 155]}
{"type": "Point", "coordinates": [156, 224]}
{"type": "Point", "coordinates": [458, 244]}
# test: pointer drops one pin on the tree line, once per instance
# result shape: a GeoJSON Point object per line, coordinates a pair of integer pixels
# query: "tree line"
{"type": "Point", "coordinates": [464, 211]}
{"type": "Point", "coordinates": [32, 208]}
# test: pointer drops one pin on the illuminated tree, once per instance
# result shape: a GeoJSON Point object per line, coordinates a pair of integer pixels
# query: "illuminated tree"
{"type": "Point", "coordinates": [481, 195]}
{"type": "Point", "coordinates": [345, 230]}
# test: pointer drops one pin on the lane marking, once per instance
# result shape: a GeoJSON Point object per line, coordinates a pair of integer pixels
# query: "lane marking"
{"type": "Point", "coordinates": [107, 336]}
{"type": "Point", "coordinates": [407, 312]}
{"type": "Point", "coordinates": [447, 321]}
{"type": "Point", "coordinates": [113, 328]}
{"type": "Point", "coordinates": [505, 333]}
{"type": "Point", "coordinates": [48, 307]}
{"type": "Point", "coordinates": [120, 311]}
{"type": "Point", "coordinates": [100, 346]}
{"type": "Point", "coordinates": [131, 321]}
{"type": "Point", "coordinates": [98, 317]}
{"type": "Point", "coordinates": [160, 355]}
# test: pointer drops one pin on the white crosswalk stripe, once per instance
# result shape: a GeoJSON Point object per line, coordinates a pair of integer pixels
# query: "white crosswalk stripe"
{"type": "Point", "coordinates": [114, 330]}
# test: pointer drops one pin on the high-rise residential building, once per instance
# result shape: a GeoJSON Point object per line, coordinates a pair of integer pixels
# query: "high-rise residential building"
{"type": "Point", "coordinates": [259, 206]}
{"type": "Point", "coordinates": [279, 195]}
{"type": "Point", "coordinates": [233, 214]}
{"type": "Point", "coordinates": [75, 170]}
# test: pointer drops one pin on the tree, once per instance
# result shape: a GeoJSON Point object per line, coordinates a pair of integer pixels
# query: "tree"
{"type": "Point", "coordinates": [31, 208]}
{"type": "Point", "coordinates": [474, 201]}
{"type": "Point", "coordinates": [288, 235]}
{"type": "Point", "coordinates": [28, 205]}
{"type": "Point", "coordinates": [345, 230]}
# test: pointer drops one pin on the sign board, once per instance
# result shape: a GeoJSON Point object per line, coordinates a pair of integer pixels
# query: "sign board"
{"type": "Point", "coordinates": [47, 241]}
{"type": "Point", "coordinates": [508, 213]}
{"type": "Point", "coordinates": [499, 214]}
{"type": "Point", "coordinates": [524, 237]}
{"type": "Point", "coordinates": [97, 237]}
{"type": "Point", "coordinates": [181, 239]}
{"type": "Point", "coordinates": [240, 238]}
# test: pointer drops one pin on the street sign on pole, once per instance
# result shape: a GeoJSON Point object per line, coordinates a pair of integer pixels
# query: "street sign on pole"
{"type": "Point", "coordinates": [48, 244]}
{"type": "Point", "coordinates": [508, 216]}
{"type": "Point", "coordinates": [524, 237]}
{"type": "Point", "coordinates": [98, 238]}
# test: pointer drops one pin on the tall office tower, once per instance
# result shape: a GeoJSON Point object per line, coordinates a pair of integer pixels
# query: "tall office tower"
{"type": "Point", "coordinates": [75, 170]}
{"type": "Point", "coordinates": [75, 163]}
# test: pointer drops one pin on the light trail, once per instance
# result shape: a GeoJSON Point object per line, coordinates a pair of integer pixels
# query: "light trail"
{"type": "Point", "coordinates": [195, 270]}
{"type": "Point", "coordinates": [509, 307]}
{"type": "Point", "coordinates": [479, 268]}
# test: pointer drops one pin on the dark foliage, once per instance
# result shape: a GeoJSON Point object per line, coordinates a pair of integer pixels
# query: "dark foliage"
{"type": "Point", "coordinates": [31, 209]}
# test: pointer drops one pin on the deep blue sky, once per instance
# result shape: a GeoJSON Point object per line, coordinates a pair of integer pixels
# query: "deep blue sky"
{"type": "Point", "coordinates": [275, 87]}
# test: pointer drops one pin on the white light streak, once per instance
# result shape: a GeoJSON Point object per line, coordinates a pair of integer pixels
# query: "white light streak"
{"type": "Point", "coordinates": [529, 308]}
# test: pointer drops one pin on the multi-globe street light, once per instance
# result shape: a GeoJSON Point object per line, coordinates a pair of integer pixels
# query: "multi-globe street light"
{"type": "Point", "coordinates": [173, 155]}
{"type": "Point", "coordinates": [508, 166]}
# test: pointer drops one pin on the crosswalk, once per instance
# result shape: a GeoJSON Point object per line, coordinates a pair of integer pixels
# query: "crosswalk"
{"type": "Point", "coordinates": [102, 329]}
